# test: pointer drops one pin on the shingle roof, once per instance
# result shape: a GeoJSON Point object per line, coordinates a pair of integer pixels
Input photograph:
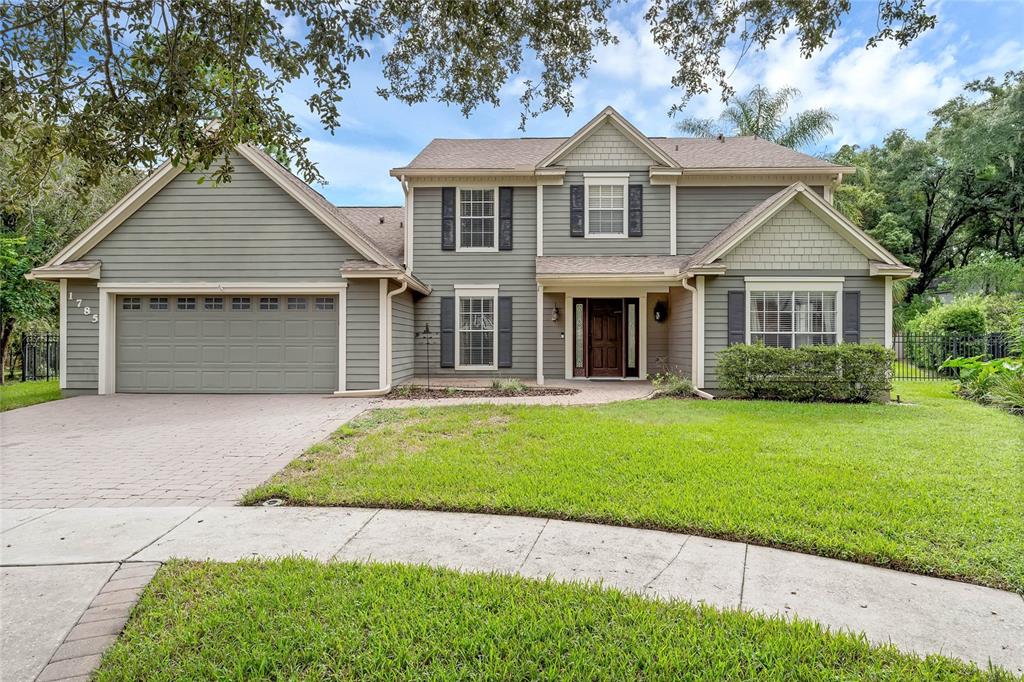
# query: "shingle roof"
{"type": "Point", "coordinates": [737, 225]}
{"type": "Point", "coordinates": [389, 236]}
{"type": "Point", "coordinates": [688, 152]}
{"type": "Point", "coordinates": [610, 265]}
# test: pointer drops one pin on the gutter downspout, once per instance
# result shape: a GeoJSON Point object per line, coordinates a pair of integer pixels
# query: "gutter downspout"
{"type": "Point", "coordinates": [407, 224]}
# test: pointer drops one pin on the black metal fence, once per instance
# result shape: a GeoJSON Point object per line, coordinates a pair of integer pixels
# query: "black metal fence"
{"type": "Point", "coordinates": [920, 356]}
{"type": "Point", "coordinates": [36, 357]}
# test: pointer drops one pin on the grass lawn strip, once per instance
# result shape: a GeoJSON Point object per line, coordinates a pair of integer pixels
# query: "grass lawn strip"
{"type": "Point", "coordinates": [22, 394]}
{"type": "Point", "coordinates": [300, 619]}
{"type": "Point", "coordinates": [935, 487]}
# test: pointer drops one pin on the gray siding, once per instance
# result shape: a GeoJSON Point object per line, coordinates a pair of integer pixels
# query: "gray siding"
{"type": "Point", "coordinates": [606, 146]}
{"type": "Point", "coordinates": [655, 241]}
{"type": "Point", "coordinates": [513, 271]}
{"type": "Point", "coordinates": [680, 324]}
{"type": "Point", "coordinates": [403, 323]}
{"type": "Point", "coordinates": [703, 212]}
{"type": "Point", "coordinates": [82, 336]}
{"type": "Point", "coordinates": [657, 337]}
{"type": "Point", "coordinates": [554, 341]}
{"type": "Point", "coordinates": [362, 342]}
{"type": "Point", "coordinates": [795, 239]}
{"type": "Point", "coordinates": [247, 229]}
{"type": "Point", "coordinates": [872, 309]}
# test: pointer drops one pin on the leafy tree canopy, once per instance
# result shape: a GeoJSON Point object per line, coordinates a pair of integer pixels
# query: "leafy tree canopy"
{"type": "Point", "coordinates": [129, 82]}
{"type": "Point", "coordinates": [761, 113]}
{"type": "Point", "coordinates": [940, 202]}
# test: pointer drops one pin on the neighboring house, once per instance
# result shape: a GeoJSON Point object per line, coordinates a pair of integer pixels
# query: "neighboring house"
{"type": "Point", "coordinates": [607, 254]}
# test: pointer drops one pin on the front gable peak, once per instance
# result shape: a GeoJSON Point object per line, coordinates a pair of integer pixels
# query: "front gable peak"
{"type": "Point", "coordinates": [608, 134]}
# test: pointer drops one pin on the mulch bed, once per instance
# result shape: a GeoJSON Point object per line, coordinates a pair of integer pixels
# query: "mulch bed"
{"type": "Point", "coordinates": [421, 393]}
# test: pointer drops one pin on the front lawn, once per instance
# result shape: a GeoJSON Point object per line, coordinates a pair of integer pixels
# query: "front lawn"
{"type": "Point", "coordinates": [936, 487]}
{"type": "Point", "coordinates": [300, 619]}
{"type": "Point", "coordinates": [24, 393]}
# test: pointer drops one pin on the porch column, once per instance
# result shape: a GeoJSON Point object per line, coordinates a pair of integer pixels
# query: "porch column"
{"type": "Point", "coordinates": [540, 333]}
{"type": "Point", "coordinates": [698, 333]}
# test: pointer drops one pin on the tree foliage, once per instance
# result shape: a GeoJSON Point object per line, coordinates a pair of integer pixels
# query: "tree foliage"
{"type": "Point", "coordinates": [34, 232]}
{"type": "Point", "coordinates": [940, 202]}
{"type": "Point", "coordinates": [129, 82]}
{"type": "Point", "coordinates": [761, 113]}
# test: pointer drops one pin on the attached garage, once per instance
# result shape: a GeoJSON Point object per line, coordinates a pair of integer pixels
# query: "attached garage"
{"type": "Point", "coordinates": [226, 343]}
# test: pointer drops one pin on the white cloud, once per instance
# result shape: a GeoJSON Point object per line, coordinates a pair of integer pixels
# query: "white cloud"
{"type": "Point", "coordinates": [357, 175]}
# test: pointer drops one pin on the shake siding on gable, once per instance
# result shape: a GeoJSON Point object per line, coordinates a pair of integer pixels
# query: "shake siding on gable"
{"type": "Point", "coordinates": [247, 229]}
{"type": "Point", "coordinates": [795, 239]}
{"type": "Point", "coordinates": [82, 336]}
{"type": "Point", "coordinates": [606, 146]}
{"type": "Point", "coordinates": [513, 271]}
{"type": "Point", "coordinates": [654, 242]}
{"type": "Point", "coordinates": [362, 343]}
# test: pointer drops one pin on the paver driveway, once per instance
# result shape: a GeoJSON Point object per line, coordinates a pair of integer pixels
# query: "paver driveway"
{"type": "Point", "coordinates": [155, 450]}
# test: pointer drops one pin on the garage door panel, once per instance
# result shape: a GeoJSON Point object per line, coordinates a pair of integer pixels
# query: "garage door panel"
{"type": "Point", "coordinates": [226, 350]}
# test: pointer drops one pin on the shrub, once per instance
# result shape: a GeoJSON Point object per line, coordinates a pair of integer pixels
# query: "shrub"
{"type": "Point", "coordinates": [672, 385]}
{"type": "Point", "coordinates": [999, 382]}
{"type": "Point", "coordinates": [508, 385]}
{"type": "Point", "coordinates": [955, 329]}
{"type": "Point", "coordinates": [847, 372]}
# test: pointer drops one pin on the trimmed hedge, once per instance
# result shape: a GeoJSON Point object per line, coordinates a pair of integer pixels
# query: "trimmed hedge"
{"type": "Point", "coordinates": [846, 373]}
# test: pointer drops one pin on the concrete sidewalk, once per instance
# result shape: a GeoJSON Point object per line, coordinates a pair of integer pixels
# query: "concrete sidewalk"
{"type": "Point", "coordinates": [916, 613]}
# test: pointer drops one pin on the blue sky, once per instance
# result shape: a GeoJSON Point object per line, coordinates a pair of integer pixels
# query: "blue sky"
{"type": "Point", "coordinates": [871, 92]}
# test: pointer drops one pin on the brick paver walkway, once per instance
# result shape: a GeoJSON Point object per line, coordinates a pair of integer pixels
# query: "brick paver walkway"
{"type": "Point", "coordinates": [155, 450]}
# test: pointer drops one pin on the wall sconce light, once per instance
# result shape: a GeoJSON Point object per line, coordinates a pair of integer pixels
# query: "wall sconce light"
{"type": "Point", "coordinates": [660, 311]}
{"type": "Point", "coordinates": [554, 314]}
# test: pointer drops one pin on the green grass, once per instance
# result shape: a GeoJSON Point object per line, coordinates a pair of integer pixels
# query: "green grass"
{"type": "Point", "coordinates": [303, 620]}
{"type": "Point", "coordinates": [936, 487]}
{"type": "Point", "coordinates": [23, 393]}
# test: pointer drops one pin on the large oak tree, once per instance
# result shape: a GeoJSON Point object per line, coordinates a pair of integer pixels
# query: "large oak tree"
{"type": "Point", "coordinates": [129, 82]}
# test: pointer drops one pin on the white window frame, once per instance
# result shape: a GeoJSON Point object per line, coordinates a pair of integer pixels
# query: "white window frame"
{"type": "Point", "coordinates": [591, 179]}
{"type": "Point", "coordinates": [823, 284]}
{"type": "Point", "coordinates": [458, 220]}
{"type": "Point", "coordinates": [475, 291]}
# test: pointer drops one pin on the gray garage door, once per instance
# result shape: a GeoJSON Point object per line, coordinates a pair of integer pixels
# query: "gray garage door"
{"type": "Point", "coordinates": [265, 343]}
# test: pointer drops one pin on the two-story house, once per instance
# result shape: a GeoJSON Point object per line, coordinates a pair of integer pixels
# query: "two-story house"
{"type": "Point", "coordinates": [607, 254]}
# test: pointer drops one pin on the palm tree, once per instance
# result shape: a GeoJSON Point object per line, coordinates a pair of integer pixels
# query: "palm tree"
{"type": "Point", "coordinates": [760, 113]}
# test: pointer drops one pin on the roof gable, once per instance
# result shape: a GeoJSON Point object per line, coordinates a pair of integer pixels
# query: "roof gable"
{"type": "Point", "coordinates": [166, 173]}
{"type": "Point", "coordinates": [733, 235]}
{"type": "Point", "coordinates": [609, 126]}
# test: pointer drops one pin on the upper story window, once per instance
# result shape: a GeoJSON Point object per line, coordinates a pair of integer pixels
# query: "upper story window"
{"type": "Point", "coordinates": [790, 319]}
{"type": "Point", "coordinates": [606, 205]}
{"type": "Point", "coordinates": [476, 219]}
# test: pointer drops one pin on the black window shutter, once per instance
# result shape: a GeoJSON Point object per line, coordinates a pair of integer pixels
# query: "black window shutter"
{"type": "Point", "coordinates": [851, 317]}
{"type": "Point", "coordinates": [636, 210]}
{"type": "Point", "coordinates": [575, 210]}
{"type": "Point", "coordinates": [505, 218]}
{"type": "Point", "coordinates": [447, 218]}
{"type": "Point", "coordinates": [504, 331]}
{"type": "Point", "coordinates": [737, 317]}
{"type": "Point", "coordinates": [447, 331]}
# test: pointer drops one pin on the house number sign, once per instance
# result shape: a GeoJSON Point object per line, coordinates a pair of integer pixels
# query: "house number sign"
{"type": "Point", "coordinates": [86, 310]}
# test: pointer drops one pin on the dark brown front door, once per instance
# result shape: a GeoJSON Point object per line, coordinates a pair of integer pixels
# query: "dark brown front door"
{"type": "Point", "coordinates": [605, 325]}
